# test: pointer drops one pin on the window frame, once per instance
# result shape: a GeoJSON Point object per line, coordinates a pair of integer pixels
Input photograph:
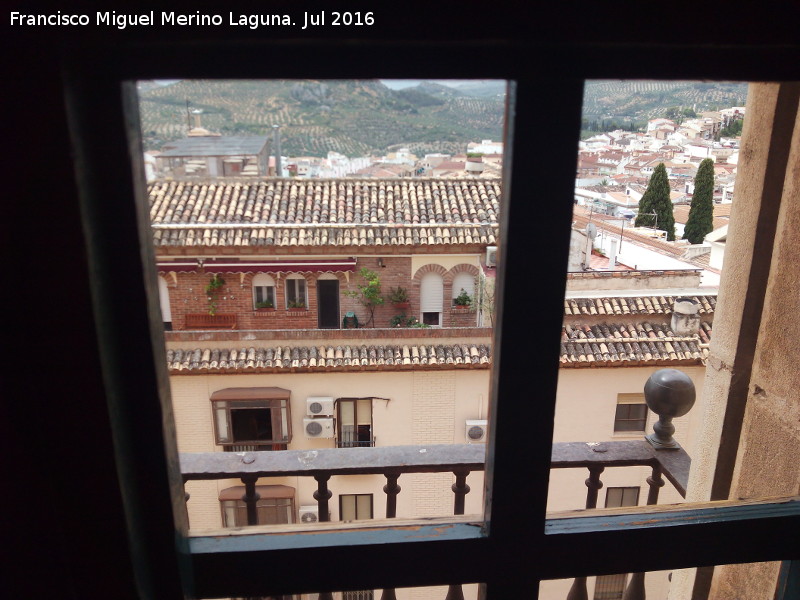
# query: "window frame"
{"type": "Point", "coordinates": [225, 404]}
{"type": "Point", "coordinates": [624, 402]}
{"type": "Point", "coordinates": [340, 423]}
{"type": "Point", "coordinates": [355, 500]}
{"type": "Point", "coordinates": [295, 278]}
{"type": "Point", "coordinates": [264, 502]}
{"type": "Point", "coordinates": [507, 553]}
{"type": "Point", "coordinates": [268, 290]}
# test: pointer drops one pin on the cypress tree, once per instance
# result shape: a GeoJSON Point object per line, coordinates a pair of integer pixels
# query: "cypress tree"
{"type": "Point", "coordinates": [656, 200]}
{"type": "Point", "coordinates": [701, 214]}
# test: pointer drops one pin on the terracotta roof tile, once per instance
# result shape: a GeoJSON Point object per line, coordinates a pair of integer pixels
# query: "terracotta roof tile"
{"type": "Point", "coordinates": [645, 343]}
{"type": "Point", "coordinates": [651, 305]}
{"type": "Point", "coordinates": [230, 212]}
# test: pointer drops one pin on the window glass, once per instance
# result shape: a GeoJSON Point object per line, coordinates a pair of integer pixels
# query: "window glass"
{"type": "Point", "coordinates": [295, 292]}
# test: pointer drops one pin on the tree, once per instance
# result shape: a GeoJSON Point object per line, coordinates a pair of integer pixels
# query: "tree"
{"type": "Point", "coordinates": [701, 213]}
{"type": "Point", "coordinates": [656, 200]}
{"type": "Point", "coordinates": [368, 294]}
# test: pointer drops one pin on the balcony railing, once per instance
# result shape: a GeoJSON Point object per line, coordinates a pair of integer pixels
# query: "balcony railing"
{"type": "Point", "coordinates": [659, 452]}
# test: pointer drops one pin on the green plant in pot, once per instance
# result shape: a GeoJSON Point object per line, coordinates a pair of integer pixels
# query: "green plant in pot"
{"type": "Point", "coordinates": [399, 297]}
{"type": "Point", "coordinates": [265, 304]}
{"type": "Point", "coordinates": [463, 300]}
{"type": "Point", "coordinates": [297, 304]}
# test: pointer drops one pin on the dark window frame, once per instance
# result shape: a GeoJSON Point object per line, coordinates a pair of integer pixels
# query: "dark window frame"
{"type": "Point", "coordinates": [355, 499]}
{"type": "Point", "coordinates": [624, 422]}
{"type": "Point", "coordinates": [280, 419]}
{"type": "Point", "coordinates": [262, 505]}
{"type": "Point", "coordinates": [509, 554]}
{"type": "Point", "coordinates": [358, 442]}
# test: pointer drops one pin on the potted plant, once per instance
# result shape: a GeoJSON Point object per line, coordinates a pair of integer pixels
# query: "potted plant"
{"type": "Point", "coordinates": [265, 305]}
{"type": "Point", "coordinates": [463, 300]}
{"type": "Point", "coordinates": [399, 297]}
{"type": "Point", "coordinates": [297, 304]}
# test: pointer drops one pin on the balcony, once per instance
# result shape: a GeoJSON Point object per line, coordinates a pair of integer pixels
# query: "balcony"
{"type": "Point", "coordinates": [460, 459]}
{"type": "Point", "coordinates": [668, 392]}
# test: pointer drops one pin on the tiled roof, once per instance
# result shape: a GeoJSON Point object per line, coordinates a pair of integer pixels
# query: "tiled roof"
{"type": "Point", "coordinates": [324, 212]}
{"type": "Point", "coordinates": [326, 358]}
{"type": "Point", "coordinates": [639, 344]}
{"type": "Point", "coordinates": [633, 305]}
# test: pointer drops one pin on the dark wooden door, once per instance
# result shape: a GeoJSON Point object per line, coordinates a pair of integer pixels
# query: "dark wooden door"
{"type": "Point", "coordinates": [328, 303]}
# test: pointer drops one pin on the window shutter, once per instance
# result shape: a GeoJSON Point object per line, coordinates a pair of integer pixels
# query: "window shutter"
{"type": "Point", "coordinates": [163, 297]}
{"type": "Point", "coordinates": [431, 293]}
{"type": "Point", "coordinates": [466, 282]}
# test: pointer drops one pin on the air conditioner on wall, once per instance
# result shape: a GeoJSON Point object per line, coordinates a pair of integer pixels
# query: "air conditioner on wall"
{"type": "Point", "coordinates": [309, 514]}
{"type": "Point", "coordinates": [491, 256]}
{"type": "Point", "coordinates": [475, 431]}
{"type": "Point", "coordinates": [318, 428]}
{"type": "Point", "coordinates": [319, 406]}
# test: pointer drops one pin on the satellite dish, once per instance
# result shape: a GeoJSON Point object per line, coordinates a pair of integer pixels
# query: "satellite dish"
{"type": "Point", "coordinates": [591, 230]}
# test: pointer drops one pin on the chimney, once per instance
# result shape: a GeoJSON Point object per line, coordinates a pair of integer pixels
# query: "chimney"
{"type": "Point", "coordinates": [685, 317]}
{"type": "Point", "coordinates": [196, 115]}
{"type": "Point", "coordinates": [276, 140]}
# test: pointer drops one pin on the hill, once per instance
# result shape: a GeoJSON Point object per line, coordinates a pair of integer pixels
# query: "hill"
{"type": "Point", "coordinates": [643, 100]}
{"type": "Point", "coordinates": [352, 117]}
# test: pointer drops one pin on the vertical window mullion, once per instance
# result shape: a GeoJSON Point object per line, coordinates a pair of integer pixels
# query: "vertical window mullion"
{"type": "Point", "coordinates": [527, 304]}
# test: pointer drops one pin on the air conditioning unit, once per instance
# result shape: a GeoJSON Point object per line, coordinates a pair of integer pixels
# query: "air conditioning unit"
{"type": "Point", "coordinates": [318, 428]}
{"type": "Point", "coordinates": [309, 514]}
{"type": "Point", "coordinates": [319, 406]}
{"type": "Point", "coordinates": [491, 256]}
{"type": "Point", "coordinates": [476, 430]}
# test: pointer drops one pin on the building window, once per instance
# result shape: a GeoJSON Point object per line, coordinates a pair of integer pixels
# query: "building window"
{"type": "Point", "coordinates": [631, 413]}
{"type": "Point", "coordinates": [355, 507]}
{"type": "Point", "coordinates": [622, 496]}
{"type": "Point", "coordinates": [431, 299]}
{"type": "Point", "coordinates": [263, 291]}
{"type": "Point", "coordinates": [252, 418]}
{"type": "Point", "coordinates": [612, 587]}
{"type": "Point", "coordinates": [354, 422]}
{"type": "Point", "coordinates": [274, 507]}
{"type": "Point", "coordinates": [296, 292]}
{"type": "Point", "coordinates": [466, 282]}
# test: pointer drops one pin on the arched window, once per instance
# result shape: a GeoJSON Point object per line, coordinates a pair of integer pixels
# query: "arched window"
{"type": "Point", "coordinates": [466, 282]}
{"type": "Point", "coordinates": [163, 300]}
{"type": "Point", "coordinates": [431, 299]}
{"type": "Point", "coordinates": [263, 291]}
{"type": "Point", "coordinates": [296, 291]}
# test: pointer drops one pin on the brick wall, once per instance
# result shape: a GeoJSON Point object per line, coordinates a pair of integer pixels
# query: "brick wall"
{"type": "Point", "coordinates": [433, 422]}
{"type": "Point", "coordinates": [187, 295]}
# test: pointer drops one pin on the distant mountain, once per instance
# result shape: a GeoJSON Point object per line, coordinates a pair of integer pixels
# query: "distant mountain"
{"type": "Point", "coordinates": [480, 88]}
{"type": "Point", "coordinates": [437, 90]}
{"type": "Point", "coordinates": [644, 100]}
{"type": "Point", "coordinates": [352, 117]}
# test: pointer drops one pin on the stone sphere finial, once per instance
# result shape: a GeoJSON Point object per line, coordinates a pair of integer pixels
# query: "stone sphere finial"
{"type": "Point", "coordinates": [669, 393]}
